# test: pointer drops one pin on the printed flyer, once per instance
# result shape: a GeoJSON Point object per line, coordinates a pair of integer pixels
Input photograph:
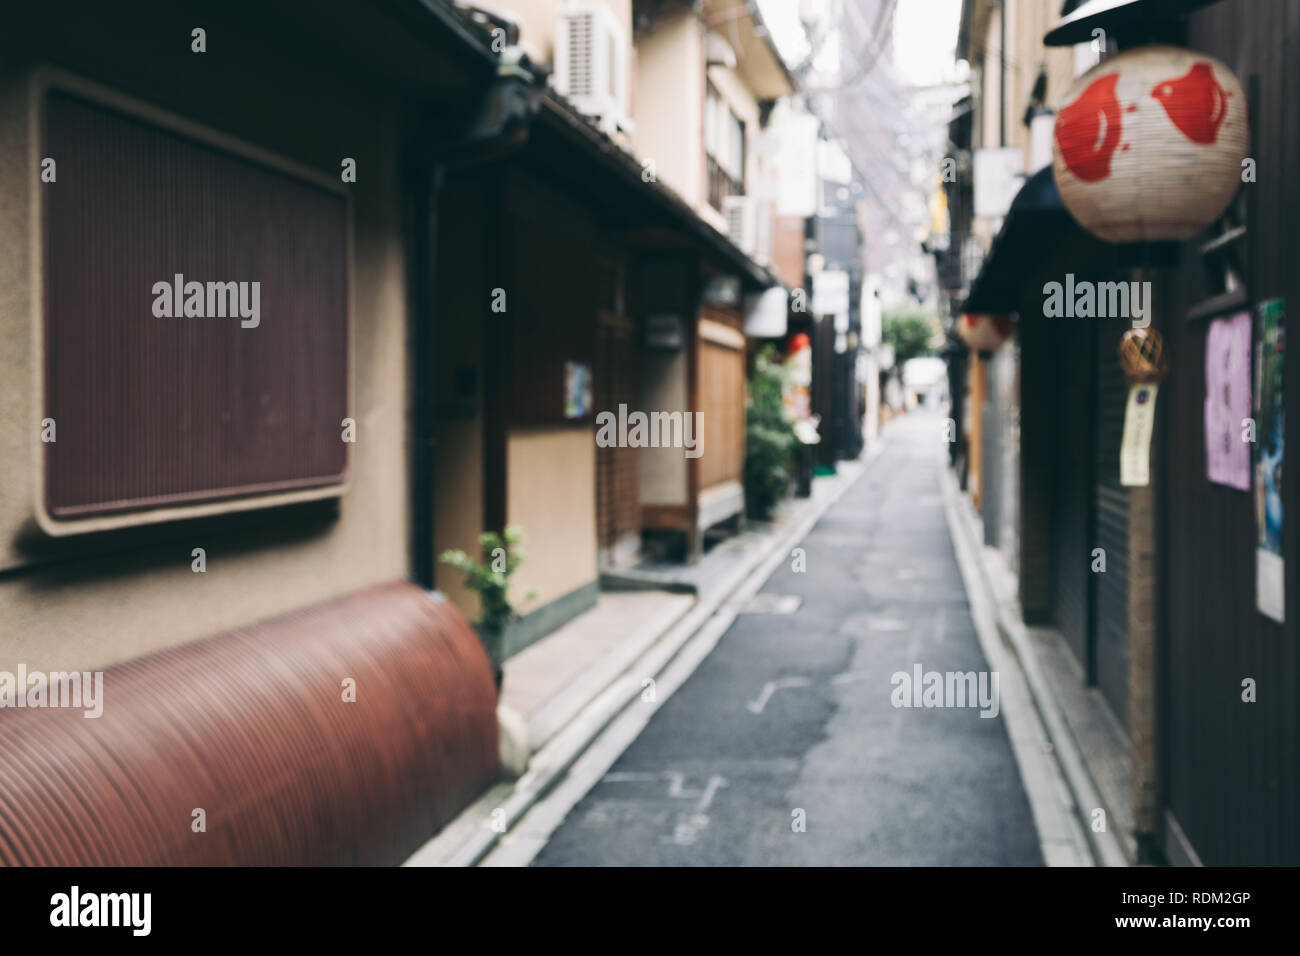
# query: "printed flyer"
{"type": "Point", "coordinates": [1227, 401]}
{"type": "Point", "coordinates": [1270, 425]}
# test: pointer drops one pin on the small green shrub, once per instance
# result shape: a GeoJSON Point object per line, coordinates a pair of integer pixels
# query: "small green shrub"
{"type": "Point", "coordinates": [490, 579]}
{"type": "Point", "coordinates": [770, 441]}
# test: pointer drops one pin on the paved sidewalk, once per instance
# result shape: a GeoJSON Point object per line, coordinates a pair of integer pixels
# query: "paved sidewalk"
{"type": "Point", "coordinates": [550, 682]}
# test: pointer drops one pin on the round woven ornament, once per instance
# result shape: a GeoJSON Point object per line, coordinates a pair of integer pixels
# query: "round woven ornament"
{"type": "Point", "coordinates": [1142, 356]}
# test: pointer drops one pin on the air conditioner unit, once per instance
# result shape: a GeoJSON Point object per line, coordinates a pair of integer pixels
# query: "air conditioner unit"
{"type": "Point", "coordinates": [741, 213]}
{"type": "Point", "coordinates": [763, 234]}
{"type": "Point", "coordinates": [591, 63]}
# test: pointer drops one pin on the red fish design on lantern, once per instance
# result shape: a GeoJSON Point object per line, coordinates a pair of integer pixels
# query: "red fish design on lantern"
{"type": "Point", "coordinates": [1088, 131]}
{"type": "Point", "coordinates": [1196, 103]}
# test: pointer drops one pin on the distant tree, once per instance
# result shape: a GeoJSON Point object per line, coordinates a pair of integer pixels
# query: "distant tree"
{"type": "Point", "coordinates": [910, 333]}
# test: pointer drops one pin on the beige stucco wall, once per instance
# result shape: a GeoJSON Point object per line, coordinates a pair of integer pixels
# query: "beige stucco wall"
{"type": "Point", "coordinates": [741, 101]}
{"type": "Point", "coordinates": [670, 104]}
{"type": "Point", "coordinates": [87, 602]}
{"type": "Point", "coordinates": [1027, 23]}
{"type": "Point", "coordinates": [551, 494]}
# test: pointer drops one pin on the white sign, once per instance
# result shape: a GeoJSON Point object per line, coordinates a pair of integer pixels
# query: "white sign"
{"type": "Point", "coordinates": [999, 174]}
{"type": "Point", "coordinates": [766, 313]}
{"type": "Point", "coordinates": [795, 138]}
{"type": "Point", "coordinates": [1135, 447]}
{"type": "Point", "coordinates": [831, 293]}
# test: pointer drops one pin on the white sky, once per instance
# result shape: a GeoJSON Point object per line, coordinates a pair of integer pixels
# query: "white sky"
{"type": "Point", "coordinates": [925, 36]}
{"type": "Point", "coordinates": [782, 20]}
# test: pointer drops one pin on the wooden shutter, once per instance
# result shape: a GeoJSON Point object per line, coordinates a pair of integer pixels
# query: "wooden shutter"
{"type": "Point", "coordinates": [152, 410]}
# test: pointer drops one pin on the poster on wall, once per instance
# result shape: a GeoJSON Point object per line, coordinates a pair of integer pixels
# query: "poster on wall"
{"type": "Point", "coordinates": [577, 390]}
{"type": "Point", "coordinates": [1227, 401]}
{"type": "Point", "coordinates": [1270, 426]}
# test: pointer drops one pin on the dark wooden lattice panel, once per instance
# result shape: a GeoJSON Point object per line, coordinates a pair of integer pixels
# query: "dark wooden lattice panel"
{"type": "Point", "coordinates": [157, 410]}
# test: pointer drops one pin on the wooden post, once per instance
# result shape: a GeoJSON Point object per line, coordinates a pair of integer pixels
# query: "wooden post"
{"type": "Point", "coordinates": [1142, 654]}
{"type": "Point", "coordinates": [975, 451]}
{"type": "Point", "coordinates": [1142, 628]}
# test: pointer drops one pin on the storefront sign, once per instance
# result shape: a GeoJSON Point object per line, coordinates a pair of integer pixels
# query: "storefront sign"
{"type": "Point", "coordinates": [664, 331]}
{"type": "Point", "coordinates": [1270, 403]}
{"type": "Point", "coordinates": [767, 314]}
{"type": "Point", "coordinates": [1227, 401]}
{"type": "Point", "coordinates": [1135, 449]}
{"type": "Point", "coordinates": [999, 174]}
{"type": "Point", "coordinates": [831, 294]}
{"type": "Point", "coordinates": [721, 291]}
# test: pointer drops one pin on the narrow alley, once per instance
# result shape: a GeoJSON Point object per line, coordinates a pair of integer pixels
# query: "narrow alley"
{"type": "Point", "coordinates": [584, 434]}
{"type": "Point", "coordinates": [792, 712]}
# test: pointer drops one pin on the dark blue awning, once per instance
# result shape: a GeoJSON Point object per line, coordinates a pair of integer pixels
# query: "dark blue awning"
{"type": "Point", "coordinates": [1040, 241]}
{"type": "Point", "coordinates": [1037, 228]}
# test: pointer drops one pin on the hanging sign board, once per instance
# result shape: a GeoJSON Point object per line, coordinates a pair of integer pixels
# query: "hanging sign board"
{"type": "Point", "coordinates": [1270, 352]}
{"type": "Point", "coordinates": [1227, 401]}
{"type": "Point", "coordinates": [831, 295]}
{"type": "Point", "coordinates": [1135, 449]}
{"type": "Point", "coordinates": [664, 331]}
{"type": "Point", "coordinates": [999, 174]}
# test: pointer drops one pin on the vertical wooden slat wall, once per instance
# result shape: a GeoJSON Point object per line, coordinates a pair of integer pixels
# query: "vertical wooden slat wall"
{"type": "Point", "coordinates": [722, 400]}
{"type": "Point", "coordinates": [1110, 508]}
{"type": "Point", "coordinates": [1072, 477]}
{"type": "Point", "coordinates": [1229, 776]}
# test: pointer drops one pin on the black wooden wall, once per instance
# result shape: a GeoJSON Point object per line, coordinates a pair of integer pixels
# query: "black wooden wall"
{"type": "Point", "coordinates": [1229, 769]}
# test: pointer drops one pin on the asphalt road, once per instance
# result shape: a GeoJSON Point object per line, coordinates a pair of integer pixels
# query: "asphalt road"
{"type": "Point", "coordinates": [790, 720]}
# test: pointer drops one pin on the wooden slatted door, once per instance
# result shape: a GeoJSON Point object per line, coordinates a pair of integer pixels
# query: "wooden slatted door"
{"type": "Point", "coordinates": [618, 475]}
{"type": "Point", "coordinates": [721, 397]}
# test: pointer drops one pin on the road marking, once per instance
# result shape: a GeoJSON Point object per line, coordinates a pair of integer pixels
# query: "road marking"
{"type": "Point", "coordinates": [886, 624]}
{"type": "Point", "coordinates": [686, 827]}
{"type": "Point", "coordinates": [711, 788]}
{"type": "Point", "coordinates": [676, 784]}
{"type": "Point", "coordinates": [771, 687]}
{"type": "Point", "coordinates": [850, 677]}
{"type": "Point", "coordinates": [771, 604]}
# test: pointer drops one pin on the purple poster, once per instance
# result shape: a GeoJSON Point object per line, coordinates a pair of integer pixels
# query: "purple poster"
{"type": "Point", "coordinates": [1228, 402]}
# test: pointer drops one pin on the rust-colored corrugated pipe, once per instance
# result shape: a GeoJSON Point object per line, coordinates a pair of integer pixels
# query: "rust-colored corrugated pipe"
{"type": "Point", "coordinates": [252, 728]}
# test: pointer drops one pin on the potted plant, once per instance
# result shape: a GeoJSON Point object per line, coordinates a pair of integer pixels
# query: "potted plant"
{"type": "Point", "coordinates": [489, 577]}
{"type": "Point", "coordinates": [770, 440]}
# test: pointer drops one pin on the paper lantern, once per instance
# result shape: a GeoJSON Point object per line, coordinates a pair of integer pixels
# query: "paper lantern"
{"type": "Point", "coordinates": [984, 332]}
{"type": "Point", "coordinates": [1149, 144]}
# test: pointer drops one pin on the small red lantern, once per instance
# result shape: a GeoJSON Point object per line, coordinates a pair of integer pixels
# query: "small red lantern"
{"type": "Point", "coordinates": [984, 332]}
{"type": "Point", "coordinates": [1150, 144]}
